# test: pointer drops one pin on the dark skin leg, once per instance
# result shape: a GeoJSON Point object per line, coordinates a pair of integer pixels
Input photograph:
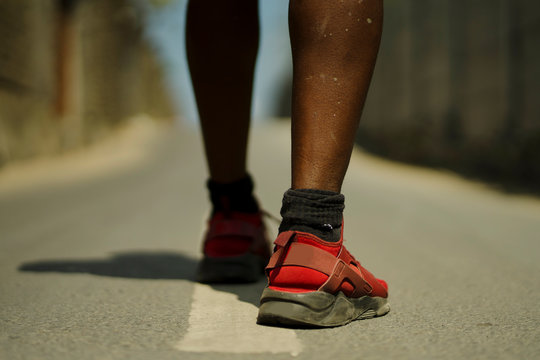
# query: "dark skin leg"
{"type": "Point", "coordinates": [222, 39]}
{"type": "Point", "coordinates": [334, 47]}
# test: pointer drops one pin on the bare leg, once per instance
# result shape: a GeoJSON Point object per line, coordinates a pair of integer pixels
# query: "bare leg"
{"type": "Point", "coordinates": [222, 41]}
{"type": "Point", "coordinates": [334, 47]}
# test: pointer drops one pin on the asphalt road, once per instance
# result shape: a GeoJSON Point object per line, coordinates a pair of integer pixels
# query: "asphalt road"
{"type": "Point", "coordinates": [98, 249]}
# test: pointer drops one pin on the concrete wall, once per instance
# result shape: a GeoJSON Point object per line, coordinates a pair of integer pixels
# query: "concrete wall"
{"type": "Point", "coordinates": [457, 85]}
{"type": "Point", "coordinates": [26, 77]}
{"type": "Point", "coordinates": [69, 76]}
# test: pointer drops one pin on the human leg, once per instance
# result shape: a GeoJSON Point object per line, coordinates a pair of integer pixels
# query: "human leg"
{"type": "Point", "coordinates": [313, 279]}
{"type": "Point", "coordinates": [222, 40]}
{"type": "Point", "coordinates": [334, 47]}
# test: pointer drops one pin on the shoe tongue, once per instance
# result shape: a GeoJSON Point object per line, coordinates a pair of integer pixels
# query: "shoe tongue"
{"type": "Point", "coordinates": [331, 247]}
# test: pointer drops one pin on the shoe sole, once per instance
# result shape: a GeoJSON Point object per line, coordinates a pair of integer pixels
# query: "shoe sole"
{"type": "Point", "coordinates": [317, 309]}
{"type": "Point", "coordinates": [244, 268]}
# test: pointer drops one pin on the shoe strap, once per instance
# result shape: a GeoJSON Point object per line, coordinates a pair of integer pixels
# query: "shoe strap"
{"type": "Point", "coordinates": [284, 238]}
{"type": "Point", "coordinates": [343, 272]}
{"type": "Point", "coordinates": [291, 253]}
{"type": "Point", "coordinates": [233, 227]}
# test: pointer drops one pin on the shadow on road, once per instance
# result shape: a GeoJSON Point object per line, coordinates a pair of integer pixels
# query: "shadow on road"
{"type": "Point", "coordinates": [136, 265]}
{"type": "Point", "coordinates": [144, 265]}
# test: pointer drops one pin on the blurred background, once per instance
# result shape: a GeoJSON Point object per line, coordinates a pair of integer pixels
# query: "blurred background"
{"type": "Point", "coordinates": [456, 86]}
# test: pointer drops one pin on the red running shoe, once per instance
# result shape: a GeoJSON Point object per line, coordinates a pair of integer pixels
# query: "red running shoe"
{"type": "Point", "coordinates": [312, 282]}
{"type": "Point", "coordinates": [235, 249]}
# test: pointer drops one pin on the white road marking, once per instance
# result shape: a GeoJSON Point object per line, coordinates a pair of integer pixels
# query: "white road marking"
{"type": "Point", "coordinates": [220, 322]}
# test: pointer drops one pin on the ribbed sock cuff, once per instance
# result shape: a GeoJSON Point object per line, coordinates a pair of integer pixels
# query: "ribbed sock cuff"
{"type": "Point", "coordinates": [235, 196]}
{"type": "Point", "coordinates": [318, 212]}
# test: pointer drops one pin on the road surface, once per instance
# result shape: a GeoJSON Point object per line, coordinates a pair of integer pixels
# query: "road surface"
{"type": "Point", "coordinates": [98, 249]}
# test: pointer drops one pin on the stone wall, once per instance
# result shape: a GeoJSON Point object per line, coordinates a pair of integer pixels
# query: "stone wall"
{"type": "Point", "coordinates": [457, 85]}
{"type": "Point", "coordinates": [69, 74]}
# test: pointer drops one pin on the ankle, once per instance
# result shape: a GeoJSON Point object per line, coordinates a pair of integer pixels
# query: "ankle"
{"type": "Point", "coordinates": [317, 212]}
{"type": "Point", "coordinates": [235, 196]}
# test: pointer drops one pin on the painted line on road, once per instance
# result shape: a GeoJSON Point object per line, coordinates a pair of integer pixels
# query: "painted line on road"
{"type": "Point", "coordinates": [220, 322]}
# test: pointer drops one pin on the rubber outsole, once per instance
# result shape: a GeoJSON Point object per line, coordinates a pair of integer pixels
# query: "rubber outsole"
{"type": "Point", "coordinates": [317, 309]}
{"type": "Point", "coordinates": [244, 268]}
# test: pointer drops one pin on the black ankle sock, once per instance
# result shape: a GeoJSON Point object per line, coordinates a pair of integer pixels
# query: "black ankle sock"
{"type": "Point", "coordinates": [235, 196]}
{"type": "Point", "coordinates": [317, 212]}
